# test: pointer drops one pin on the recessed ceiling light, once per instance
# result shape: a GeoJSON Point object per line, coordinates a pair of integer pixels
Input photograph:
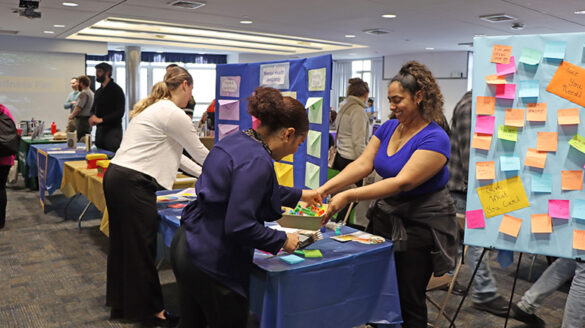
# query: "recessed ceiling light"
{"type": "Point", "coordinates": [478, 35]}
{"type": "Point", "coordinates": [429, 48]}
{"type": "Point", "coordinates": [350, 35]}
{"type": "Point", "coordinates": [58, 25]}
{"type": "Point", "coordinates": [49, 32]}
{"type": "Point", "coordinates": [70, 4]}
{"type": "Point", "coordinates": [246, 21]}
{"type": "Point", "coordinates": [389, 16]}
{"type": "Point", "coordinates": [579, 12]}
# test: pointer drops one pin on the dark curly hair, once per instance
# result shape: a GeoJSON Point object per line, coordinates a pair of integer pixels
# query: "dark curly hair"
{"type": "Point", "coordinates": [414, 76]}
{"type": "Point", "coordinates": [357, 87]}
{"type": "Point", "coordinates": [275, 111]}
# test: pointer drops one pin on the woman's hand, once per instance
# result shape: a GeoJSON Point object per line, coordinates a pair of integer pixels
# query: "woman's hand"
{"type": "Point", "coordinates": [312, 197]}
{"type": "Point", "coordinates": [292, 242]}
{"type": "Point", "coordinates": [337, 203]}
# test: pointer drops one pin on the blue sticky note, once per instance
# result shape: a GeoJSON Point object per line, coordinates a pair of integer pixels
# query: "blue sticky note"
{"type": "Point", "coordinates": [505, 258]}
{"type": "Point", "coordinates": [509, 163]}
{"type": "Point", "coordinates": [578, 211]}
{"type": "Point", "coordinates": [529, 89]}
{"type": "Point", "coordinates": [555, 49]}
{"type": "Point", "coordinates": [292, 259]}
{"type": "Point", "coordinates": [541, 182]}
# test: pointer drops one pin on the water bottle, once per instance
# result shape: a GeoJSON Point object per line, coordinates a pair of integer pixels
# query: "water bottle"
{"type": "Point", "coordinates": [53, 128]}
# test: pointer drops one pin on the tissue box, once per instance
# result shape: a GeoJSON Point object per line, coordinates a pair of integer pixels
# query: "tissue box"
{"type": "Point", "coordinates": [93, 158]}
{"type": "Point", "coordinates": [102, 166]}
{"type": "Point", "coordinates": [300, 221]}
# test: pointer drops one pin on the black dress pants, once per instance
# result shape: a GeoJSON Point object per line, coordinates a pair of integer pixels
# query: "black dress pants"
{"type": "Point", "coordinates": [204, 301]}
{"type": "Point", "coordinates": [4, 169]}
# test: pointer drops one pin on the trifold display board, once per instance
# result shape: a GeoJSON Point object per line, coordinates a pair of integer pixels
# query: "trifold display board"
{"type": "Point", "coordinates": [307, 80]}
{"type": "Point", "coordinates": [525, 190]}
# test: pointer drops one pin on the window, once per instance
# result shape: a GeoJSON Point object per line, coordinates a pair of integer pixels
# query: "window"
{"type": "Point", "coordinates": [363, 70]}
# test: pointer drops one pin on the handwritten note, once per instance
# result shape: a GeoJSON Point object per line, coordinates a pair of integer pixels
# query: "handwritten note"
{"type": "Point", "coordinates": [485, 170]}
{"type": "Point", "coordinates": [509, 133]}
{"type": "Point", "coordinates": [502, 197]}
{"type": "Point", "coordinates": [530, 56]}
{"type": "Point", "coordinates": [501, 54]}
{"type": "Point", "coordinates": [317, 78]}
{"type": "Point", "coordinates": [506, 91]}
{"type": "Point", "coordinates": [536, 112]}
{"type": "Point", "coordinates": [495, 79]}
{"type": "Point", "coordinates": [535, 158]}
{"type": "Point", "coordinates": [578, 142]}
{"type": "Point", "coordinates": [555, 49]}
{"type": "Point", "coordinates": [485, 105]}
{"type": "Point", "coordinates": [529, 89]}
{"type": "Point", "coordinates": [475, 219]}
{"type": "Point", "coordinates": [579, 239]}
{"type": "Point", "coordinates": [509, 163]}
{"type": "Point", "coordinates": [485, 124]}
{"type": "Point", "coordinates": [578, 209]}
{"type": "Point", "coordinates": [546, 141]}
{"type": "Point", "coordinates": [568, 116]}
{"type": "Point", "coordinates": [540, 223]}
{"type": "Point", "coordinates": [505, 69]}
{"type": "Point", "coordinates": [514, 117]}
{"type": "Point", "coordinates": [510, 225]}
{"type": "Point", "coordinates": [541, 182]}
{"type": "Point", "coordinates": [572, 180]}
{"type": "Point", "coordinates": [558, 208]}
{"type": "Point", "coordinates": [481, 141]}
{"type": "Point", "coordinates": [229, 86]}
{"type": "Point", "coordinates": [569, 82]}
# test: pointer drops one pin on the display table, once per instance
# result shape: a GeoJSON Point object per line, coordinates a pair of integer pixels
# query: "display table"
{"type": "Point", "coordinates": [23, 149]}
{"type": "Point", "coordinates": [351, 285]}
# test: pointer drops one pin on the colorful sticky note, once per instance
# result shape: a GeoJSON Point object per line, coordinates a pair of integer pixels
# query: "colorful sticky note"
{"type": "Point", "coordinates": [227, 129]}
{"type": "Point", "coordinates": [255, 122]}
{"type": "Point", "coordinates": [505, 69]}
{"type": "Point", "coordinates": [314, 143]}
{"type": "Point", "coordinates": [501, 54]}
{"type": "Point", "coordinates": [312, 176]}
{"type": "Point", "coordinates": [510, 225]}
{"type": "Point", "coordinates": [579, 239]}
{"type": "Point", "coordinates": [485, 105]}
{"type": "Point", "coordinates": [485, 124]}
{"type": "Point", "coordinates": [474, 219]}
{"type": "Point", "coordinates": [572, 180]}
{"type": "Point", "coordinates": [536, 112]}
{"type": "Point", "coordinates": [503, 196]}
{"type": "Point", "coordinates": [530, 56]}
{"type": "Point", "coordinates": [481, 141]}
{"type": "Point", "coordinates": [540, 223]}
{"type": "Point", "coordinates": [568, 83]}
{"type": "Point", "coordinates": [485, 170]}
{"type": "Point", "coordinates": [578, 209]}
{"type": "Point", "coordinates": [555, 49]}
{"type": "Point", "coordinates": [547, 141]}
{"type": "Point", "coordinates": [229, 86]}
{"type": "Point", "coordinates": [578, 142]}
{"type": "Point", "coordinates": [514, 117]}
{"type": "Point", "coordinates": [529, 89]}
{"type": "Point", "coordinates": [535, 158]}
{"type": "Point", "coordinates": [315, 106]}
{"type": "Point", "coordinates": [288, 158]}
{"type": "Point", "coordinates": [568, 116]}
{"type": "Point", "coordinates": [229, 109]}
{"type": "Point", "coordinates": [284, 174]}
{"type": "Point", "coordinates": [313, 253]}
{"type": "Point", "coordinates": [541, 182]}
{"type": "Point", "coordinates": [291, 259]}
{"type": "Point", "coordinates": [292, 94]}
{"type": "Point", "coordinates": [506, 91]}
{"type": "Point", "coordinates": [495, 79]}
{"type": "Point", "coordinates": [509, 163]}
{"type": "Point", "coordinates": [317, 78]}
{"type": "Point", "coordinates": [558, 208]}
{"type": "Point", "coordinates": [509, 133]}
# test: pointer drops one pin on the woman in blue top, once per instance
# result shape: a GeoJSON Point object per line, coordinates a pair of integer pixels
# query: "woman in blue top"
{"type": "Point", "coordinates": [237, 191]}
{"type": "Point", "coordinates": [410, 153]}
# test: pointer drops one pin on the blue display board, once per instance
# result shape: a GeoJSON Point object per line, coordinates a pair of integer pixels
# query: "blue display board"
{"type": "Point", "coordinates": [309, 81]}
{"type": "Point", "coordinates": [536, 60]}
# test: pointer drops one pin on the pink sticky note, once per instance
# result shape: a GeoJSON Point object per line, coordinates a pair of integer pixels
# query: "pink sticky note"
{"type": "Point", "coordinates": [475, 219]}
{"type": "Point", "coordinates": [558, 208]}
{"type": "Point", "coordinates": [505, 69]}
{"type": "Point", "coordinates": [485, 124]}
{"type": "Point", "coordinates": [255, 123]}
{"type": "Point", "coordinates": [506, 91]}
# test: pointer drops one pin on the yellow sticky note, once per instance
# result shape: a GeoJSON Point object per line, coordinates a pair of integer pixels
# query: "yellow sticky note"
{"type": "Point", "coordinates": [314, 143]}
{"type": "Point", "coordinates": [312, 176]}
{"type": "Point", "coordinates": [568, 116]}
{"type": "Point", "coordinates": [481, 141]}
{"type": "Point", "coordinates": [502, 197]}
{"type": "Point", "coordinates": [501, 54]}
{"type": "Point", "coordinates": [578, 142]}
{"type": "Point", "coordinates": [485, 170]}
{"type": "Point", "coordinates": [579, 239]}
{"type": "Point", "coordinates": [510, 225]}
{"type": "Point", "coordinates": [292, 94]}
{"type": "Point", "coordinates": [508, 133]}
{"type": "Point", "coordinates": [495, 79]}
{"type": "Point", "coordinates": [284, 174]}
{"type": "Point", "coordinates": [540, 223]}
{"type": "Point", "coordinates": [485, 105]}
{"type": "Point", "coordinates": [536, 112]}
{"type": "Point", "coordinates": [572, 180]}
{"type": "Point", "coordinates": [288, 158]}
{"type": "Point", "coordinates": [547, 141]}
{"type": "Point", "coordinates": [535, 158]}
{"type": "Point", "coordinates": [514, 117]}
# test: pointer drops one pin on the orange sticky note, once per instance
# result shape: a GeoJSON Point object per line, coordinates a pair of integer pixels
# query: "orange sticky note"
{"type": "Point", "coordinates": [485, 170]}
{"type": "Point", "coordinates": [572, 180]}
{"type": "Point", "coordinates": [568, 116]}
{"type": "Point", "coordinates": [535, 158]}
{"type": "Point", "coordinates": [510, 225]}
{"type": "Point", "coordinates": [514, 117]}
{"type": "Point", "coordinates": [536, 112]}
{"type": "Point", "coordinates": [540, 223]}
{"type": "Point", "coordinates": [495, 79]}
{"type": "Point", "coordinates": [485, 105]}
{"type": "Point", "coordinates": [579, 239]}
{"type": "Point", "coordinates": [547, 141]}
{"type": "Point", "coordinates": [569, 83]}
{"type": "Point", "coordinates": [501, 54]}
{"type": "Point", "coordinates": [481, 141]}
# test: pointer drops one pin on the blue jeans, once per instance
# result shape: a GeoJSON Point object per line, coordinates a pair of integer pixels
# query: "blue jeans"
{"type": "Point", "coordinates": [484, 285]}
{"type": "Point", "coordinates": [575, 307]}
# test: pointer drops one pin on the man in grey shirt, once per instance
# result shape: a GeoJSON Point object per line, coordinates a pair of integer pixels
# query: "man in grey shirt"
{"type": "Point", "coordinates": [82, 109]}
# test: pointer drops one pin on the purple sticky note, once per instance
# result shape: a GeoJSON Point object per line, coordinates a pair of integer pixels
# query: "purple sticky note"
{"type": "Point", "coordinates": [558, 208]}
{"type": "Point", "coordinates": [229, 109]}
{"type": "Point", "coordinates": [505, 69]}
{"type": "Point", "coordinates": [485, 124]}
{"type": "Point", "coordinates": [227, 129]}
{"type": "Point", "coordinates": [506, 91]}
{"type": "Point", "coordinates": [229, 86]}
{"type": "Point", "coordinates": [475, 219]}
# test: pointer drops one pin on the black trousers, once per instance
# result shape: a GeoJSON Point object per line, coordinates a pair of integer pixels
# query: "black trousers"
{"type": "Point", "coordinates": [133, 287]}
{"type": "Point", "coordinates": [4, 169]}
{"type": "Point", "coordinates": [204, 301]}
{"type": "Point", "coordinates": [108, 138]}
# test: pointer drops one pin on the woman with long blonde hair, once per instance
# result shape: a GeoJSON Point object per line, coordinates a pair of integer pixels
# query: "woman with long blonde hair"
{"type": "Point", "coordinates": [158, 92]}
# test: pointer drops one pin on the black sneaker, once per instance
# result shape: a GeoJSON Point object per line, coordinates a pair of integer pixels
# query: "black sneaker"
{"type": "Point", "coordinates": [531, 320]}
{"type": "Point", "coordinates": [497, 306]}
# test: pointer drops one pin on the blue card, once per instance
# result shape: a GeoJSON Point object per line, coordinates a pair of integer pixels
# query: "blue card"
{"type": "Point", "coordinates": [541, 182]}
{"type": "Point", "coordinates": [529, 89]}
{"type": "Point", "coordinates": [509, 163]}
{"type": "Point", "coordinates": [555, 49]}
{"type": "Point", "coordinates": [578, 209]}
{"type": "Point", "coordinates": [292, 259]}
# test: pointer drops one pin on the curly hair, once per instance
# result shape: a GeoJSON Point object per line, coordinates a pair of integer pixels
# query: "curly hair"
{"type": "Point", "coordinates": [357, 87]}
{"type": "Point", "coordinates": [275, 111]}
{"type": "Point", "coordinates": [414, 76]}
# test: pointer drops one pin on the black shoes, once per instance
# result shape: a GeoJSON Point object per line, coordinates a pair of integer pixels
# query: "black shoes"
{"type": "Point", "coordinates": [497, 306]}
{"type": "Point", "coordinates": [170, 321]}
{"type": "Point", "coordinates": [531, 320]}
{"type": "Point", "coordinates": [458, 289]}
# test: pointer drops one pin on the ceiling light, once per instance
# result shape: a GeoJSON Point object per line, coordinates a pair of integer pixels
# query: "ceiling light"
{"type": "Point", "coordinates": [350, 36]}
{"type": "Point", "coordinates": [59, 25]}
{"type": "Point", "coordinates": [49, 32]}
{"type": "Point", "coordinates": [70, 4]}
{"type": "Point", "coordinates": [579, 12]}
{"type": "Point", "coordinates": [478, 35]}
{"type": "Point", "coordinates": [246, 21]}
{"type": "Point", "coordinates": [389, 16]}
{"type": "Point", "coordinates": [429, 48]}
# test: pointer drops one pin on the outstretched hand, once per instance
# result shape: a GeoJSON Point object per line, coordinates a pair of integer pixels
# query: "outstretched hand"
{"type": "Point", "coordinates": [312, 197]}
{"type": "Point", "coordinates": [337, 203]}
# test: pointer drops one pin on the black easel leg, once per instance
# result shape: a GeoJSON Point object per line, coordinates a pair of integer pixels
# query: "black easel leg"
{"type": "Point", "coordinates": [513, 288]}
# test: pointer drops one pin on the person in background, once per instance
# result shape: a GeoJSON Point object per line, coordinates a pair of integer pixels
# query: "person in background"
{"type": "Point", "coordinates": [82, 108]}
{"type": "Point", "coordinates": [238, 191]}
{"type": "Point", "coordinates": [410, 153]}
{"type": "Point", "coordinates": [147, 160]}
{"type": "Point", "coordinates": [107, 110]}
{"type": "Point", "coordinates": [71, 102]}
{"type": "Point", "coordinates": [372, 113]}
{"type": "Point", "coordinates": [5, 163]}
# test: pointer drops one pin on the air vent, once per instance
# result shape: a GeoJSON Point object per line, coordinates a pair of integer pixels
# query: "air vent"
{"type": "Point", "coordinates": [465, 44]}
{"type": "Point", "coordinates": [186, 4]}
{"type": "Point", "coordinates": [375, 31]}
{"type": "Point", "coordinates": [498, 18]}
{"type": "Point", "coordinates": [8, 32]}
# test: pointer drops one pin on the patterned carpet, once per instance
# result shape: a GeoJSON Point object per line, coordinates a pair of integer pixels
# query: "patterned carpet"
{"type": "Point", "coordinates": [52, 274]}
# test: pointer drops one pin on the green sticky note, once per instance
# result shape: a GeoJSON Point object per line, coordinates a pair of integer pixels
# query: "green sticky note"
{"type": "Point", "coordinates": [530, 56]}
{"type": "Point", "coordinates": [312, 176]}
{"type": "Point", "coordinates": [317, 79]}
{"type": "Point", "coordinates": [315, 106]}
{"type": "Point", "coordinates": [578, 142]}
{"type": "Point", "coordinates": [508, 133]}
{"type": "Point", "coordinates": [314, 143]}
{"type": "Point", "coordinates": [300, 252]}
{"type": "Point", "coordinates": [313, 253]}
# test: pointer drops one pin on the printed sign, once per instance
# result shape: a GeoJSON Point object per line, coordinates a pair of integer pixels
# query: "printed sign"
{"type": "Point", "coordinates": [275, 75]}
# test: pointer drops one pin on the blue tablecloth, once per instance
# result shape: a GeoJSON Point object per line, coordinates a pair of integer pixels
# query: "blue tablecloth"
{"type": "Point", "coordinates": [55, 161]}
{"type": "Point", "coordinates": [351, 285]}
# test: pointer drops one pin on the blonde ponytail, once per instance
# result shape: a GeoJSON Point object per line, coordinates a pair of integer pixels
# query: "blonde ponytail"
{"type": "Point", "coordinates": [158, 92]}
